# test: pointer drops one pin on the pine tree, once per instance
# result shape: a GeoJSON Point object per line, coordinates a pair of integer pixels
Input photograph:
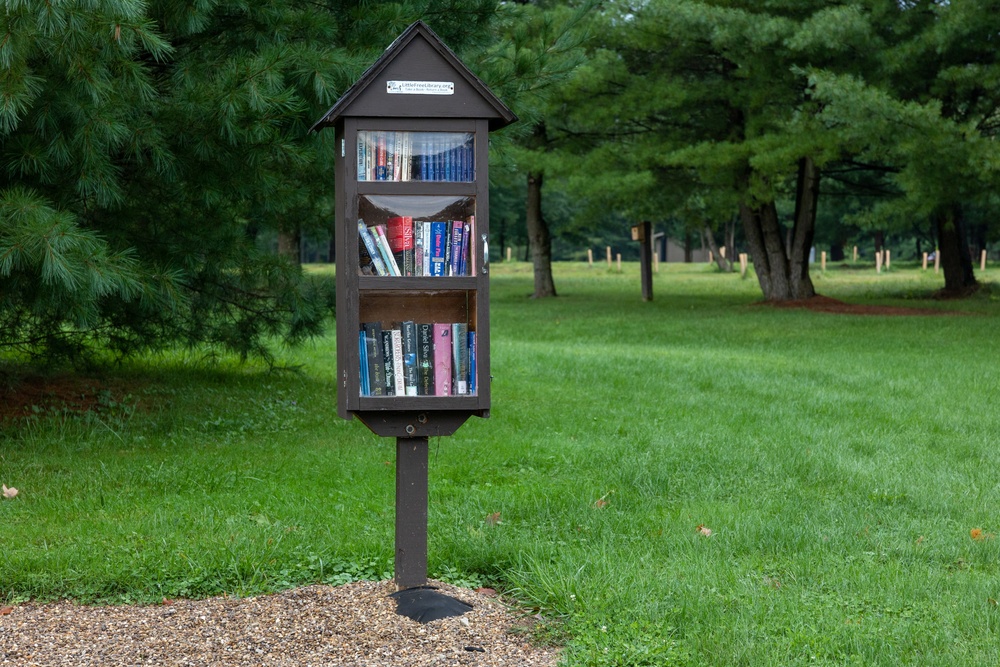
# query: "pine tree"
{"type": "Point", "coordinates": [146, 144]}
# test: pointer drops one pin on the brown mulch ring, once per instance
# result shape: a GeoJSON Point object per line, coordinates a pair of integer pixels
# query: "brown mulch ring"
{"type": "Point", "coordinates": [355, 624]}
{"type": "Point", "coordinates": [35, 394]}
{"type": "Point", "coordinates": [825, 304]}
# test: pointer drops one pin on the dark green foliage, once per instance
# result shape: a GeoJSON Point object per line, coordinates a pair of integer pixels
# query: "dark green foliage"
{"type": "Point", "coordinates": [145, 145]}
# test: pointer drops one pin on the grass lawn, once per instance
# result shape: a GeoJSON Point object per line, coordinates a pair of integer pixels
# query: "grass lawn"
{"type": "Point", "coordinates": [695, 480]}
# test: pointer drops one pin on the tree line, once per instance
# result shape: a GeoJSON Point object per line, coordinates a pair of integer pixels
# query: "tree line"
{"type": "Point", "coordinates": [148, 145]}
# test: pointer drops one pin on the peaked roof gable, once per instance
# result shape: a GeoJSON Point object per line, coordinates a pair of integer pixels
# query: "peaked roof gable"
{"type": "Point", "coordinates": [418, 56]}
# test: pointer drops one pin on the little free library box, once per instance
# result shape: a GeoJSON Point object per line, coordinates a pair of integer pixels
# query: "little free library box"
{"type": "Point", "coordinates": [412, 244]}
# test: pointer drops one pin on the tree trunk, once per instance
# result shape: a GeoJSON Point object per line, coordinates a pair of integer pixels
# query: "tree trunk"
{"type": "Point", "coordinates": [725, 264]}
{"type": "Point", "coordinates": [289, 245]}
{"type": "Point", "coordinates": [959, 279]}
{"type": "Point", "coordinates": [539, 239]}
{"type": "Point", "coordinates": [784, 276]}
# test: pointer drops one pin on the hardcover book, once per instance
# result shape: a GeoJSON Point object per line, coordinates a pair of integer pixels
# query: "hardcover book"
{"type": "Point", "coordinates": [442, 359]}
{"type": "Point", "coordinates": [472, 362]}
{"type": "Point", "coordinates": [387, 364]}
{"type": "Point", "coordinates": [425, 359]}
{"type": "Point", "coordinates": [460, 358]}
{"type": "Point", "coordinates": [366, 388]}
{"type": "Point", "coordinates": [398, 370]}
{"type": "Point", "coordinates": [439, 241]}
{"type": "Point", "coordinates": [399, 231]}
{"type": "Point", "coordinates": [409, 335]}
{"type": "Point", "coordinates": [376, 362]}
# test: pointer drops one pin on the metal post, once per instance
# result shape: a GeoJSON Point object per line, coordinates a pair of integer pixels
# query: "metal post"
{"type": "Point", "coordinates": [411, 512]}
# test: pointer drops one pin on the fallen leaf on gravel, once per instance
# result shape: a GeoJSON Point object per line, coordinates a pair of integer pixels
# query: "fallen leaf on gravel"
{"type": "Point", "coordinates": [6, 610]}
{"type": "Point", "coordinates": [8, 493]}
{"type": "Point", "coordinates": [489, 592]}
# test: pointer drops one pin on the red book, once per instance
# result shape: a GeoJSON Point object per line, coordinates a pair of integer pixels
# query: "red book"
{"type": "Point", "coordinates": [400, 234]}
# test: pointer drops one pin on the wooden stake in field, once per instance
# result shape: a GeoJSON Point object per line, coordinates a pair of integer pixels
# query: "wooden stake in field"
{"type": "Point", "coordinates": [656, 262]}
{"type": "Point", "coordinates": [619, 258]}
{"type": "Point", "coordinates": [590, 257]}
{"type": "Point", "coordinates": [855, 253]}
{"type": "Point", "coordinates": [743, 265]}
{"type": "Point", "coordinates": [878, 262]}
{"type": "Point", "coordinates": [609, 258]}
{"type": "Point", "coordinates": [822, 261]}
{"type": "Point", "coordinates": [925, 262]}
{"type": "Point", "coordinates": [937, 260]}
{"type": "Point", "coordinates": [508, 253]}
{"type": "Point", "coordinates": [982, 260]}
{"type": "Point", "coordinates": [888, 258]}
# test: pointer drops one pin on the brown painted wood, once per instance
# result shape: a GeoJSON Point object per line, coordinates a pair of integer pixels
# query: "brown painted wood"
{"type": "Point", "coordinates": [411, 512]}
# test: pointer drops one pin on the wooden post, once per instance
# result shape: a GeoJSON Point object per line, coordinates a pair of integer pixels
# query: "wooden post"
{"type": "Point", "coordinates": [411, 512]}
{"type": "Point", "coordinates": [888, 258]}
{"type": "Point", "coordinates": [982, 260]}
{"type": "Point", "coordinates": [925, 262]}
{"type": "Point", "coordinates": [508, 253]}
{"type": "Point", "coordinates": [590, 257]}
{"type": "Point", "coordinates": [822, 261]}
{"type": "Point", "coordinates": [609, 257]}
{"type": "Point", "coordinates": [644, 232]}
{"type": "Point", "coordinates": [937, 260]}
{"type": "Point", "coordinates": [656, 262]}
{"type": "Point", "coordinates": [743, 265]}
{"type": "Point", "coordinates": [878, 262]}
{"type": "Point", "coordinates": [855, 253]}
{"type": "Point", "coordinates": [619, 257]}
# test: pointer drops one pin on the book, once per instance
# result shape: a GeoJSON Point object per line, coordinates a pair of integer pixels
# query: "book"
{"type": "Point", "coordinates": [380, 157]}
{"type": "Point", "coordinates": [455, 250]}
{"type": "Point", "coordinates": [425, 359]}
{"type": "Point", "coordinates": [463, 260]}
{"type": "Point", "coordinates": [472, 362]}
{"type": "Point", "coordinates": [376, 361]}
{"type": "Point", "coordinates": [398, 365]}
{"type": "Point", "coordinates": [471, 254]}
{"type": "Point", "coordinates": [382, 242]}
{"type": "Point", "coordinates": [460, 358]}
{"type": "Point", "coordinates": [399, 231]}
{"type": "Point", "coordinates": [371, 248]}
{"type": "Point", "coordinates": [418, 249]}
{"type": "Point", "coordinates": [439, 240]}
{"type": "Point", "coordinates": [442, 359]}
{"type": "Point", "coordinates": [366, 388]}
{"type": "Point", "coordinates": [425, 230]}
{"type": "Point", "coordinates": [389, 372]}
{"type": "Point", "coordinates": [408, 330]}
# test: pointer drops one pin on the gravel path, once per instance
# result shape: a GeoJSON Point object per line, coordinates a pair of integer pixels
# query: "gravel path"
{"type": "Point", "coordinates": [355, 624]}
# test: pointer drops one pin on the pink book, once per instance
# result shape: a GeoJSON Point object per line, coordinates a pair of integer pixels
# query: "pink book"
{"type": "Point", "coordinates": [442, 359]}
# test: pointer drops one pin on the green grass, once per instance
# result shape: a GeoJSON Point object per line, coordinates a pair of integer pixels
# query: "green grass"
{"type": "Point", "coordinates": [840, 462]}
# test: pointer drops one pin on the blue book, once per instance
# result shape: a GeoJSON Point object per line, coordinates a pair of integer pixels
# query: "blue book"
{"type": "Point", "coordinates": [472, 362]}
{"type": "Point", "coordinates": [363, 357]}
{"type": "Point", "coordinates": [439, 243]}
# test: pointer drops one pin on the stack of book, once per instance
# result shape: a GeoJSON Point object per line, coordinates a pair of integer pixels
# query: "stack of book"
{"type": "Point", "coordinates": [415, 156]}
{"type": "Point", "coordinates": [404, 247]}
{"type": "Point", "coordinates": [417, 359]}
